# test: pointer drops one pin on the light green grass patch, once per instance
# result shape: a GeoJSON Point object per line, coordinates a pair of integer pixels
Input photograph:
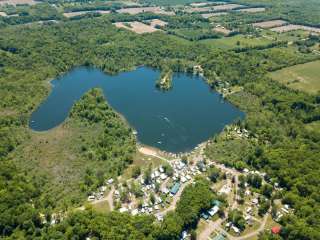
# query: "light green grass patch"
{"type": "Point", "coordinates": [304, 77]}
{"type": "Point", "coordinates": [238, 41]}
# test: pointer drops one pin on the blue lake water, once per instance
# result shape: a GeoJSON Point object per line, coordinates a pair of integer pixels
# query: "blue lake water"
{"type": "Point", "coordinates": [174, 121]}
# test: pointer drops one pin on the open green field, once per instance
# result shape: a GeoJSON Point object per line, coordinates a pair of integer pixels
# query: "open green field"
{"type": "Point", "coordinates": [237, 41]}
{"type": "Point", "coordinates": [304, 77]}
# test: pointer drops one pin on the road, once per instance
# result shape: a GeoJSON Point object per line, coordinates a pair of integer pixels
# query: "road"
{"type": "Point", "coordinates": [249, 235]}
{"type": "Point", "coordinates": [204, 235]}
{"type": "Point", "coordinates": [175, 200]}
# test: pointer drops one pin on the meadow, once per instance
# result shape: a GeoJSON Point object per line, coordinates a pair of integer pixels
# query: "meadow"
{"type": "Point", "coordinates": [303, 77]}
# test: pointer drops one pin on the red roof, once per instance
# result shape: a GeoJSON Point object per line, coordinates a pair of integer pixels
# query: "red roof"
{"type": "Point", "coordinates": [276, 229]}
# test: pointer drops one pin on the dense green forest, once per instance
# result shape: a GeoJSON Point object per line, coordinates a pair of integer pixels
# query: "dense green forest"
{"type": "Point", "coordinates": [277, 117]}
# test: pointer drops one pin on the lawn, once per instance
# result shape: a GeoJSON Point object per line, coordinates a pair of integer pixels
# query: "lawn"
{"type": "Point", "coordinates": [102, 207]}
{"type": "Point", "coordinates": [304, 77]}
{"type": "Point", "coordinates": [238, 41]}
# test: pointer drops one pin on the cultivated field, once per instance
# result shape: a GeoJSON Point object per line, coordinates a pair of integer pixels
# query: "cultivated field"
{"type": "Point", "coordinates": [16, 2]}
{"type": "Point", "coordinates": [136, 27]}
{"type": "Point", "coordinates": [157, 22]}
{"type": "Point", "coordinates": [304, 77]}
{"type": "Point", "coordinates": [237, 41]}
{"type": "Point", "coordinates": [270, 24]}
{"type": "Point", "coordinates": [226, 7]}
{"type": "Point", "coordinates": [73, 14]}
{"type": "Point", "coordinates": [209, 15]}
{"type": "Point", "coordinates": [198, 9]}
{"type": "Point", "coordinates": [138, 10]}
{"type": "Point", "coordinates": [292, 27]}
{"type": "Point", "coordinates": [252, 10]}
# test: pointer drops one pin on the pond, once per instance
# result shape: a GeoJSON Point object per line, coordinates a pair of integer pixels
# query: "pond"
{"type": "Point", "coordinates": [174, 121]}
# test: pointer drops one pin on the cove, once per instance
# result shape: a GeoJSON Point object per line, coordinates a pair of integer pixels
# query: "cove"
{"type": "Point", "coordinates": [173, 121]}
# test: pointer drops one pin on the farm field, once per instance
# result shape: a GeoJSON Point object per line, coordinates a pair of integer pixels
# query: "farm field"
{"type": "Point", "coordinates": [252, 10]}
{"type": "Point", "coordinates": [209, 15]}
{"type": "Point", "coordinates": [136, 27]}
{"type": "Point", "coordinates": [16, 2]}
{"type": "Point", "coordinates": [269, 24]}
{"type": "Point", "coordinates": [293, 27]}
{"type": "Point", "coordinates": [73, 14]}
{"type": "Point", "coordinates": [232, 42]}
{"type": "Point", "coordinates": [304, 77]}
{"type": "Point", "coordinates": [133, 11]}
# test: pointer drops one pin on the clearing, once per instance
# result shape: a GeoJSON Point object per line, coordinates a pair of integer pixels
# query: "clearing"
{"type": "Point", "coordinates": [73, 14]}
{"type": "Point", "coordinates": [222, 30]}
{"type": "Point", "coordinates": [252, 10]}
{"type": "Point", "coordinates": [17, 2]}
{"type": "Point", "coordinates": [270, 24]}
{"type": "Point", "coordinates": [133, 11]}
{"type": "Point", "coordinates": [237, 41]}
{"type": "Point", "coordinates": [209, 15]}
{"type": "Point", "coordinates": [304, 77]}
{"type": "Point", "coordinates": [136, 27]}
{"type": "Point", "coordinates": [293, 27]}
{"type": "Point", "coordinates": [157, 23]}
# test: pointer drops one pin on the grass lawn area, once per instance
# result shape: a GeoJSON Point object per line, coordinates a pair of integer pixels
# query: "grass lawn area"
{"type": "Point", "coordinates": [304, 77]}
{"type": "Point", "coordinates": [202, 224]}
{"type": "Point", "coordinates": [314, 127]}
{"type": "Point", "coordinates": [237, 41]}
{"type": "Point", "coordinates": [102, 207]}
{"type": "Point", "coordinates": [143, 161]}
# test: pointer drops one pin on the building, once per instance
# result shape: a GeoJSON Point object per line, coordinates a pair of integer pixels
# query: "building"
{"type": "Point", "coordinates": [175, 188]}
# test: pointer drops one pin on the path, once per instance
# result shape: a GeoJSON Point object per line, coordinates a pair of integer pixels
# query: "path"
{"type": "Point", "coordinates": [108, 198]}
{"type": "Point", "coordinates": [249, 235]}
{"type": "Point", "coordinates": [204, 235]}
{"type": "Point", "coordinates": [175, 200]}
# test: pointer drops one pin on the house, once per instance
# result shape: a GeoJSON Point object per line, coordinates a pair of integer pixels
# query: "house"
{"type": "Point", "coordinates": [183, 179]}
{"type": "Point", "coordinates": [91, 198]}
{"type": "Point", "coordinates": [110, 181]}
{"type": "Point", "coordinates": [216, 203]}
{"type": "Point", "coordinates": [213, 211]}
{"type": "Point", "coordinates": [134, 212]}
{"type": "Point", "coordinates": [123, 209]}
{"type": "Point", "coordinates": [163, 176]}
{"type": "Point", "coordinates": [175, 188]}
{"type": "Point", "coordinates": [255, 201]}
{"type": "Point", "coordinates": [235, 229]}
{"type": "Point", "coordinates": [204, 216]}
{"type": "Point", "coordinates": [165, 190]}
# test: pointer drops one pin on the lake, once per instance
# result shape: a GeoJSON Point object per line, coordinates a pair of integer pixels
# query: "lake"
{"type": "Point", "coordinates": [174, 121]}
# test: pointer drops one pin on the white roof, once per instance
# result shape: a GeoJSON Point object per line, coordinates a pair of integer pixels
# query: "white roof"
{"type": "Point", "coordinates": [235, 229]}
{"type": "Point", "coordinates": [135, 212]}
{"type": "Point", "coordinates": [213, 210]}
{"type": "Point", "coordinates": [123, 209]}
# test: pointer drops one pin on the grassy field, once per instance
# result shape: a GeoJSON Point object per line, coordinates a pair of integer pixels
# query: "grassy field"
{"type": "Point", "coordinates": [304, 77]}
{"type": "Point", "coordinates": [237, 41]}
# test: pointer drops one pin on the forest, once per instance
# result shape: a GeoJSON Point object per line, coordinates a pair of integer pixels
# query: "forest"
{"type": "Point", "coordinates": [277, 116]}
